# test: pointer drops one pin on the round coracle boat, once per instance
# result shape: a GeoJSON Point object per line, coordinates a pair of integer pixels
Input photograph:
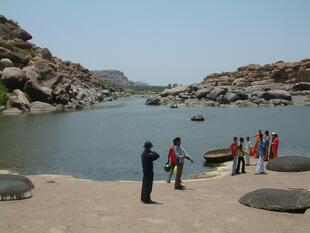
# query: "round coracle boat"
{"type": "Point", "coordinates": [218, 156]}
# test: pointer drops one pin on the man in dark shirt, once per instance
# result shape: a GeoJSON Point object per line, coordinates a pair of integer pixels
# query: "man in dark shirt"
{"type": "Point", "coordinates": [147, 158]}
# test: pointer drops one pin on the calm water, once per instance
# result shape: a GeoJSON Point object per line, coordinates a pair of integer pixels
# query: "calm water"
{"type": "Point", "coordinates": [105, 143]}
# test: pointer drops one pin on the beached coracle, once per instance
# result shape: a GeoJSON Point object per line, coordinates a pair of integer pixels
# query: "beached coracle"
{"type": "Point", "coordinates": [289, 164]}
{"type": "Point", "coordinates": [15, 187]}
{"type": "Point", "coordinates": [278, 200]}
{"type": "Point", "coordinates": [218, 156]}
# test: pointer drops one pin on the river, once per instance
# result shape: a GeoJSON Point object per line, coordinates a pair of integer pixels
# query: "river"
{"type": "Point", "coordinates": [105, 143]}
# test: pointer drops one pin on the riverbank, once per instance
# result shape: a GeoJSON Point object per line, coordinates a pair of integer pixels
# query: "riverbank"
{"type": "Point", "coordinates": [62, 204]}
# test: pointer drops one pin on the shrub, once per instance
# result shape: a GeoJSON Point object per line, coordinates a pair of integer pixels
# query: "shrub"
{"type": "Point", "coordinates": [3, 94]}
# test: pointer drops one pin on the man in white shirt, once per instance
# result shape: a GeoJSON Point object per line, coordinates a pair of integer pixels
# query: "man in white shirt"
{"type": "Point", "coordinates": [181, 154]}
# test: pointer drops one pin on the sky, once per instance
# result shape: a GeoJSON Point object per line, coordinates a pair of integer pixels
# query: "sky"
{"type": "Point", "coordinates": [167, 41]}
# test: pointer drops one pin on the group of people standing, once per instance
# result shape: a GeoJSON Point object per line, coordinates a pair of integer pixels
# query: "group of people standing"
{"type": "Point", "coordinates": [176, 157]}
{"type": "Point", "coordinates": [263, 150]}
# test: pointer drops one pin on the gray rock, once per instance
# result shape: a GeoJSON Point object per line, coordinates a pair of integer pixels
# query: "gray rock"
{"type": "Point", "coordinates": [301, 86]}
{"type": "Point", "coordinates": [307, 212]}
{"type": "Point", "coordinates": [38, 107]}
{"type": "Point", "coordinates": [153, 101]}
{"type": "Point", "coordinates": [2, 108]}
{"type": "Point", "coordinates": [277, 94]}
{"type": "Point", "coordinates": [202, 93]}
{"type": "Point", "coordinates": [276, 102]}
{"type": "Point", "coordinates": [174, 91]}
{"type": "Point", "coordinates": [6, 62]}
{"type": "Point", "coordinates": [12, 111]}
{"type": "Point", "coordinates": [46, 54]}
{"type": "Point", "coordinates": [230, 97]}
{"type": "Point", "coordinates": [37, 92]}
{"type": "Point", "coordinates": [289, 164]}
{"type": "Point", "coordinates": [215, 93]}
{"type": "Point", "coordinates": [5, 53]}
{"type": "Point", "coordinates": [18, 100]}
{"type": "Point", "coordinates": [14, 78]}
{"type": "Point", "coordinates": [277, 200]}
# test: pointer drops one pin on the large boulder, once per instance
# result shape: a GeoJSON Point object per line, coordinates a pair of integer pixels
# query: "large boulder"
{"type": "Point", "coordinates": [18, 100]}
{"type": "Point", "coordinates": [35, 88]}
{"type": "Point", "coordinates": [46, 54]}
{"type": "Point", "coordinates": [277, 200]}
{"type": "Point", "coordinates": [153, 101]}
{"type": "Point", "coordinates": [277, 94]}
{"type": "Point", "coordinates": [215, 93]}
{"type": "Point", "coordinates": [12, 111]}
{"type": "Point", "coordinates": [201, 93]}
{"type": "Point", "coordinates": [15, 187]}
{"type": "Point", "coordinates": [14, 78]}
{"type": "Point", "coordinates": [301, 86]}
{"type": "Point", "coordinates": [6, 62]}
{"type": "Point", "coordinates": [174, 91]}
{"type": "Point", "coordinates": [289, 164]}
{"type": "Point", "coordinates": [40, 107]}
{"type": "Point", "coordinates": [230, 97]}
{"type": "Point", "coordinates": [5, 53]}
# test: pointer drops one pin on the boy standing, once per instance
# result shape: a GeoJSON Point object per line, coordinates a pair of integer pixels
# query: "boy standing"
{"type": "Point", "coordinates": [234, 153]}
{"type": "Point", "coordinates": [241, 157]}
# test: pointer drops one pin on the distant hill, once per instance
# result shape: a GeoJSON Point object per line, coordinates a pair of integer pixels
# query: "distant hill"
{"type": "Point", "coordinates": [117, 77]}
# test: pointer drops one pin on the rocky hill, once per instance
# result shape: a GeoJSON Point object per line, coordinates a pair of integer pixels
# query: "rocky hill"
{"type": "Point", "coordinates": [115, 76]}
{"type": "Point", "coordinates": [40, 82]}
{"type": "Point", "coordinates": [278, 84]}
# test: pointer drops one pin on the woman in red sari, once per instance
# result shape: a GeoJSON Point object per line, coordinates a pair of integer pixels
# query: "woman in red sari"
{"type": "Point", "coordinates": [254, 151]}
{"type": "Point", "coordinates": [274, 146]}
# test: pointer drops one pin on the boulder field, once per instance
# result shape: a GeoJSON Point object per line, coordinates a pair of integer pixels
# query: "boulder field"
{"type": "Point", "coordinates": [36, 80]}
{"type": "Point", "coordinates": [278, 84]}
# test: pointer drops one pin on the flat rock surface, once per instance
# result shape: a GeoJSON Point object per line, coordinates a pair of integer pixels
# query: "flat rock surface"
{"type": "Point", "coordinates": [277, 200]}
{"type": "Point", "coordinates": [62, 204]}
{"type": "Point", "coordinates": [289, 164]}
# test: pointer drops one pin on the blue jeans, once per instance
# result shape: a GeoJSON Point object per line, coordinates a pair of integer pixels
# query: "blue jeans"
{"type": "Point", "coordinates": [234, 166]}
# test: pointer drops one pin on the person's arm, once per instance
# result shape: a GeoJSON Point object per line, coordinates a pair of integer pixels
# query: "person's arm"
{"type": "Point", "coordinates": [153, 155]}
{"type": "Point", "coordinates": [186, 155]}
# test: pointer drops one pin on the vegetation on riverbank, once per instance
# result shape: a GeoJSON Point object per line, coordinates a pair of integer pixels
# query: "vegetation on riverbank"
{"type": "Point", "coordinates": [3, 94]}
{"type": "Point", "coordinates": [134, 89]}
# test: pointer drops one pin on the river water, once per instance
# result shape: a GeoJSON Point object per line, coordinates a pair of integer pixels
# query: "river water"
{"type": "Point", "coordinates": [105, 143]}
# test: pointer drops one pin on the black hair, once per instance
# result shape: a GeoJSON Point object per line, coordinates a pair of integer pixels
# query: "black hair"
{"type": "Point", "coordinates": [235, 138]}
{"type": "Point", "coordinates": [267, 132]}
{"type": "Point", "coordinates": [241, 139]}
{"type": "Point", "coordinates": [176, 139]}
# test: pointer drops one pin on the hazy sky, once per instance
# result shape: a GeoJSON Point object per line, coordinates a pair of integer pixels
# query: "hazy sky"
{"type": "Point", "coordinates": [167, 41]}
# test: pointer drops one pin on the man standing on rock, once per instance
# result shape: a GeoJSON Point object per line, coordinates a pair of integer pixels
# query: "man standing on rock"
{"type": "Point", "coordinates": [180, 154]}
{"type": "Point", "coordinates": [147, 159]}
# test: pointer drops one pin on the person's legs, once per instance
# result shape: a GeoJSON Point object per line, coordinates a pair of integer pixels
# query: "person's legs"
{"type": "Point", "coordinates": [238, 166]}
{"type": "Point", "coordinates": [172, 166]}
{"type": "Point", "coordinates": [234, 166]}
{"type": "Point", "coordinates": [177, 183]}
{"type": "Point", "coordinates": [144, 197]}
{"type": "Point", "coordinates": [247, 159]}
{"type": "Point", "coordinates": [147, 185]}
{"type": "Point", "coordinates": [243, 164]}
{"type": "Point", "coordinates": [260, 165]}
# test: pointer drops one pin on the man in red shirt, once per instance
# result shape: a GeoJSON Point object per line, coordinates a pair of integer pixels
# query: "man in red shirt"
{"type": "Point", "coordinates": [234, 153]}
{"type": "Point", "coordinates": [172, 161]}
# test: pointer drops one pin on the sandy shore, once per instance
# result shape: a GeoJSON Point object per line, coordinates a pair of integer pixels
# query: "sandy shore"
{"type": "Point", "coordinates": [62, 204]}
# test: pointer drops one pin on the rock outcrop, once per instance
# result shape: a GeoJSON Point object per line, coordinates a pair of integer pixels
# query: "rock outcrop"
{"type": "Point", "coordinates": [278, 84]}
{"type": "Point", "coordinates": [289, 164]}
{"type": "Point", "coordinates": [277, 200]}
{"type": "Point", "coordinates": [34, 74]}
